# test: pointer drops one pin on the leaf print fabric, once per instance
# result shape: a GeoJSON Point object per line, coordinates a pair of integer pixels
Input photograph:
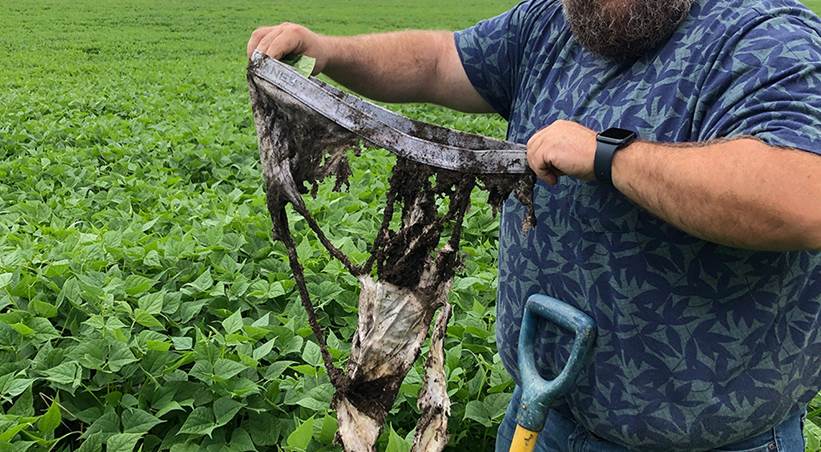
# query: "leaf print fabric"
{"type": "Point", "coordinates": [699, 345]}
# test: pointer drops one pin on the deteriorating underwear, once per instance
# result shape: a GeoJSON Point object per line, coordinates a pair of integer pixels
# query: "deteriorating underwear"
{"type": "Point", "coordinates": [413, 273]}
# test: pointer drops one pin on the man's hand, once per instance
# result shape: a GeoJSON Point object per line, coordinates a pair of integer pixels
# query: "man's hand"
{"type": "Point", "coordinates": [289, 39]}
{"type": "Point", "coordinates": [562, 148]}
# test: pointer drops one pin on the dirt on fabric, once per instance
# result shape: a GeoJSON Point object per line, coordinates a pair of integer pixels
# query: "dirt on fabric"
{"type": "Point", "coordinates": [405, 281]}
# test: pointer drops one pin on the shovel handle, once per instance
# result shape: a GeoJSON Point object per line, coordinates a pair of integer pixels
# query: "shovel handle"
{"type": "Point", "coordinates": [537, 393]}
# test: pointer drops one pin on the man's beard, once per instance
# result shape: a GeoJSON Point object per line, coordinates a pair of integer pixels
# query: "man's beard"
{"type": "Point", "coordinates": [624, 29]}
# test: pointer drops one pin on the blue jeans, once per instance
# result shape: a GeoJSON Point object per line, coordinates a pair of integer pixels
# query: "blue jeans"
{"type": "Point", "coordinates": [564, 435]}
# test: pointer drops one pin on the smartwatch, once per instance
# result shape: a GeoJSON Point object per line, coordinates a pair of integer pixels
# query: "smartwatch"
{"type": "Point", "coordinates": [607, 144]}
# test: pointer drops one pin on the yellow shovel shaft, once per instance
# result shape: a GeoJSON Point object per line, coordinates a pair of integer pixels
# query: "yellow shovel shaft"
{"type": "Point", "coordinates": [523, 440]}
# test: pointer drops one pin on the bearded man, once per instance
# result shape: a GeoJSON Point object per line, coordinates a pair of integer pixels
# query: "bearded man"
{"type": "Point", "coordinates": [693, 247]}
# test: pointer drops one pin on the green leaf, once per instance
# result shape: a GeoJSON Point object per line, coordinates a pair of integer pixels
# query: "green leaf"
{"type": "Point", "coordinates": [465, 283]}
{"type": "Point", "coordinates": [15, 386]}
{"type": "Point", "coordinates": [305, 250]}
{"type": "Point", "coordinates": [92, 443]}
{"type": "Point", "coordinates": [71, 291]}
{"type": "Point", "coordinates": [292, 345]}
{"type": "Point", "coordinates": [263, 350]}
{"type": "Point", "coordinates": [11, 432]}
{"type": "Point", "coordinates": [92, 354]}
{"type": "Point", "coordinates": [452, 356]}
{"type": "Point", "coordinates": [312, 354]}
{"type": "Point", "coordinates": [130, 402]}
{"type": "Point", "coordinates": [108, 423]}
{"type": "Point", "coordinates": [496, 405]}
{"type": "Point", "coordinates": [145, 319]}
{"type": "Point", "coordinates": [396, 443]}
{"type": "Point", "coordinates": [22, 328]}
{"type": "Point", "coordinates": [317, 398]}
{"type": "Point", "coordinates": [233, 323]}
{"type": "Point", "coordinates": [312, 404]}
{"type": "Point", "coordinates": [158, 346]}
{"type": "Point", "coordinates": [169, 407]}
{"type": "Point", "coordinates": [241, 387]}
{"type": "Point", "coordinates": [24, 405]}
{"type": "Point", "coordinates": [182, 343]}
{"type": "Point", "coordinates": [328, 431]}
{"type": "Point", "coordinates": [138, 421]}
{"type": "Point", "coordinates": [203, 371]}
{"type": "Point", "coordinates": [136, 285]}
{"type": "Point", "coordinates": [218, 290]}
{"type": "Point", "coordinates": [90, 289]}
{"type": "Point", "coordinates": [812, 434]}
{"type": "Point", "coordinates": [119, 355]}
{"type": "Point", "coordinates": [305, 369]}
{"type": "Point", "coordinates": [301, 437]}
{"type": "Point", "coordinates": [225, 409]}
{"type": "Point", "coordinates": [276, 369]}
{"type": "Point", "coordinates": [265, 429]}
{"type": "Point", "coordinates": [200, 422]}
{"type": "Point", "coordinates": [259, 289]}
{"type": "Point", "coordinates": [152, 302]}
{"type": "Point", "coordinates": [189, 309]}
{"type": "Point", "coordinates": [263, 321]}
{"type": "Point", "coordinates": [275, 290]}
{"type": "Point", "coordinates": [67, 373]}
{"type": "Point", "coordinates": [5, 279]}
{"type": "Point", "coordinates": [51, 420]}
{"type": "Point", "coordinates": [241, 441]}
{"type": "Point", "coordinates": [122, 442]}
{"type": "Point", "coordinates": [44, 309]}
{"type": "Point", "coordinates": [203, 282]}
{"type": "Point", "coordinates": [477, 411]}
{"type": "Point", "coordinates": [149, 224]}
{"type": "Point", "coordinates": [152, 259]}
{"type": "Point", "coordinates": [303, 64]}
{"type": "Point", "coordinates": [225, 368]}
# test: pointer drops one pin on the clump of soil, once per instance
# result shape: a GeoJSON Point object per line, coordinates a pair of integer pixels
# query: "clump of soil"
{"type": "Point", "coordinates": [413, 274]}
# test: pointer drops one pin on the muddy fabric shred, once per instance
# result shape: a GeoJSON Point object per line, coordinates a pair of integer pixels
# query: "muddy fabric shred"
{"type": "Point", "coordinates": [403, 284]}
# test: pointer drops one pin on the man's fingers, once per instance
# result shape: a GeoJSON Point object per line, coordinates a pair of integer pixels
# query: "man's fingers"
{"type": "Point", "coordinates": [548, 174]}
{"type": "Point", "coordinates": [281, 41]}
{"type": "Point", "coordinates": [256, 37]}
{"type": "Point", "coordinates": [281, 46]}
{"type": "Point", "coordinates": [532, 157]}
{"type": "Point", "coordinates": [266, 41]}
{"type": "Point", "coordinates": [544, 170]}
{"type": "Point", "coordinates": [540, 163]}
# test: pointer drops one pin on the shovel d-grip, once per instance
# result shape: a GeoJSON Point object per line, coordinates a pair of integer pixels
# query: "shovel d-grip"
{"type": "Point", "coordinates": [537, 393]}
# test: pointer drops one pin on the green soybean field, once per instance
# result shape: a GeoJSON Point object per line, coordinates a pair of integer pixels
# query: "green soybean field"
{"type": "Point", "coordinates": [143, 302]}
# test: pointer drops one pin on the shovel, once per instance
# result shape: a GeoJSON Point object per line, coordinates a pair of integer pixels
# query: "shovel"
{"type": "Point", "coordinates": [537, 393]}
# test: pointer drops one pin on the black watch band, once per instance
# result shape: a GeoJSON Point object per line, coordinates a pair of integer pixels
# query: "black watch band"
{"type": "Point", "coordinates": [607, 144]}
{"type": "Point", "coordinates": [603, 163]}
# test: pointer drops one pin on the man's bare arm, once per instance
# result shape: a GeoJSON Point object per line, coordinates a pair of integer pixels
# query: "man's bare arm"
{"type": "Point", "coordinates": [741, 193]}
{"type": "Point", "coordinates": [407, 66]}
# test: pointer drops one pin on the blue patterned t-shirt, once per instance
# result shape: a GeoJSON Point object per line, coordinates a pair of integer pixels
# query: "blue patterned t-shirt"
{"type": "Point", "coordinates": [699, 345]}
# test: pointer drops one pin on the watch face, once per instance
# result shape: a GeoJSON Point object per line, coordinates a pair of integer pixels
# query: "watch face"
{"type": "Point", "coordinates": [616, 136]}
